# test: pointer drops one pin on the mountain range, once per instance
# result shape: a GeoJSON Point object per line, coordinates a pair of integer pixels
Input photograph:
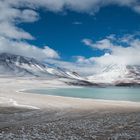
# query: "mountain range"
{"type": "Point", "coordinates": [16, 65]}
{"type": "Point", "coordinates": [117, 74]}
{"type": "Point", "coordinates": [114, 74]}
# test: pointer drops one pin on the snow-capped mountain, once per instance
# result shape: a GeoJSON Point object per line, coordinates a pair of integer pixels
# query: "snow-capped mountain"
{"type": "Point", "coordinates": [16, 65]}
{"type": "Point", "coordinates": [117, 75]}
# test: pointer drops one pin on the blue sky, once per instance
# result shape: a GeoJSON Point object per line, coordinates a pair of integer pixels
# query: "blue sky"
{"type": "Point", "coordinates": [72, 33]}
{"type": "Point", "coordinates": [64, 31]}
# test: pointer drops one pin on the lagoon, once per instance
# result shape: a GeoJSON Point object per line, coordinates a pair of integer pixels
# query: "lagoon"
{"type": "Point", "coordinates": [108, 93]}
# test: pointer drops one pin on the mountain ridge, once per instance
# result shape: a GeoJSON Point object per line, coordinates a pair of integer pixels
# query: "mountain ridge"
{"type": "Point", "coordinates": [16, 65]}
{"type": "Point", "coordinates": [116, 74]}
{"type": "Point", "coordinates": [24, 66]}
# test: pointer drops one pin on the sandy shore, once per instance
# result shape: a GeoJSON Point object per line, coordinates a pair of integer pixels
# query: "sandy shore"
{"type": "Point", "coordinates": [34, 116]}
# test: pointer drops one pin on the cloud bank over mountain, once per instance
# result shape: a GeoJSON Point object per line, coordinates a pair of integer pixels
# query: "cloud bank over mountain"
{"type": "Point", "coordinates": [124, 50]}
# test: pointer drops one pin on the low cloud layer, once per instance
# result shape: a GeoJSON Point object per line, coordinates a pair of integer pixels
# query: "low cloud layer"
{"type": "Point", "coordinates": [25, 49]}
{"type": "Point", "coordinates": [81, 68]}
{"type": "Point", "coordinates": [125, 50]}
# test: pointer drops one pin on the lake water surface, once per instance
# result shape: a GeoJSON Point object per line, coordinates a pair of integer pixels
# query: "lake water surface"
{"type": "Point", "coordinates": [108, 93]}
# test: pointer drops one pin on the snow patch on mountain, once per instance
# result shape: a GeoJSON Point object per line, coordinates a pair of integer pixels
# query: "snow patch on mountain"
{"type": "Point", "coordinates": [16, 65]}
{"type": "Point", "coordinates": [116, 74]}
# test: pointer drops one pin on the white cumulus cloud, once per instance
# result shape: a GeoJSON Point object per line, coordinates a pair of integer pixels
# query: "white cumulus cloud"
{"type": "Point", "coordinates": [102, 44]}
{"type": "Point", "coordinates": [125, 50]}
{"type": "Point", "coordinates": [12, 38]}
{"type": "Point", "coordinates": [25, 49]}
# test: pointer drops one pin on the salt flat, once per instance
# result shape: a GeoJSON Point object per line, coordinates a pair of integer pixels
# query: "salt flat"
{"type": "Point", "coordinates": [34, 116]}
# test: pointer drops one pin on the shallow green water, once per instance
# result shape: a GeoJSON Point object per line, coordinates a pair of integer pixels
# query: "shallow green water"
{"type": "Point", "coordinates": [108, 93]}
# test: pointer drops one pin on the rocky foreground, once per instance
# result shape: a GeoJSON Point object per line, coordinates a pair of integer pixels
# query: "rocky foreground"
{"type": "Point", "coordinates": [25, 124]}
{"type": "Point", "coordinates": [26, 116]}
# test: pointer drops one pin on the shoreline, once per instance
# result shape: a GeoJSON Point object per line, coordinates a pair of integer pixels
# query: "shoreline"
{"type": "Point", "coordinates": [85, 98]}
{"type": "Point", "coordinates": [17, 92]}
